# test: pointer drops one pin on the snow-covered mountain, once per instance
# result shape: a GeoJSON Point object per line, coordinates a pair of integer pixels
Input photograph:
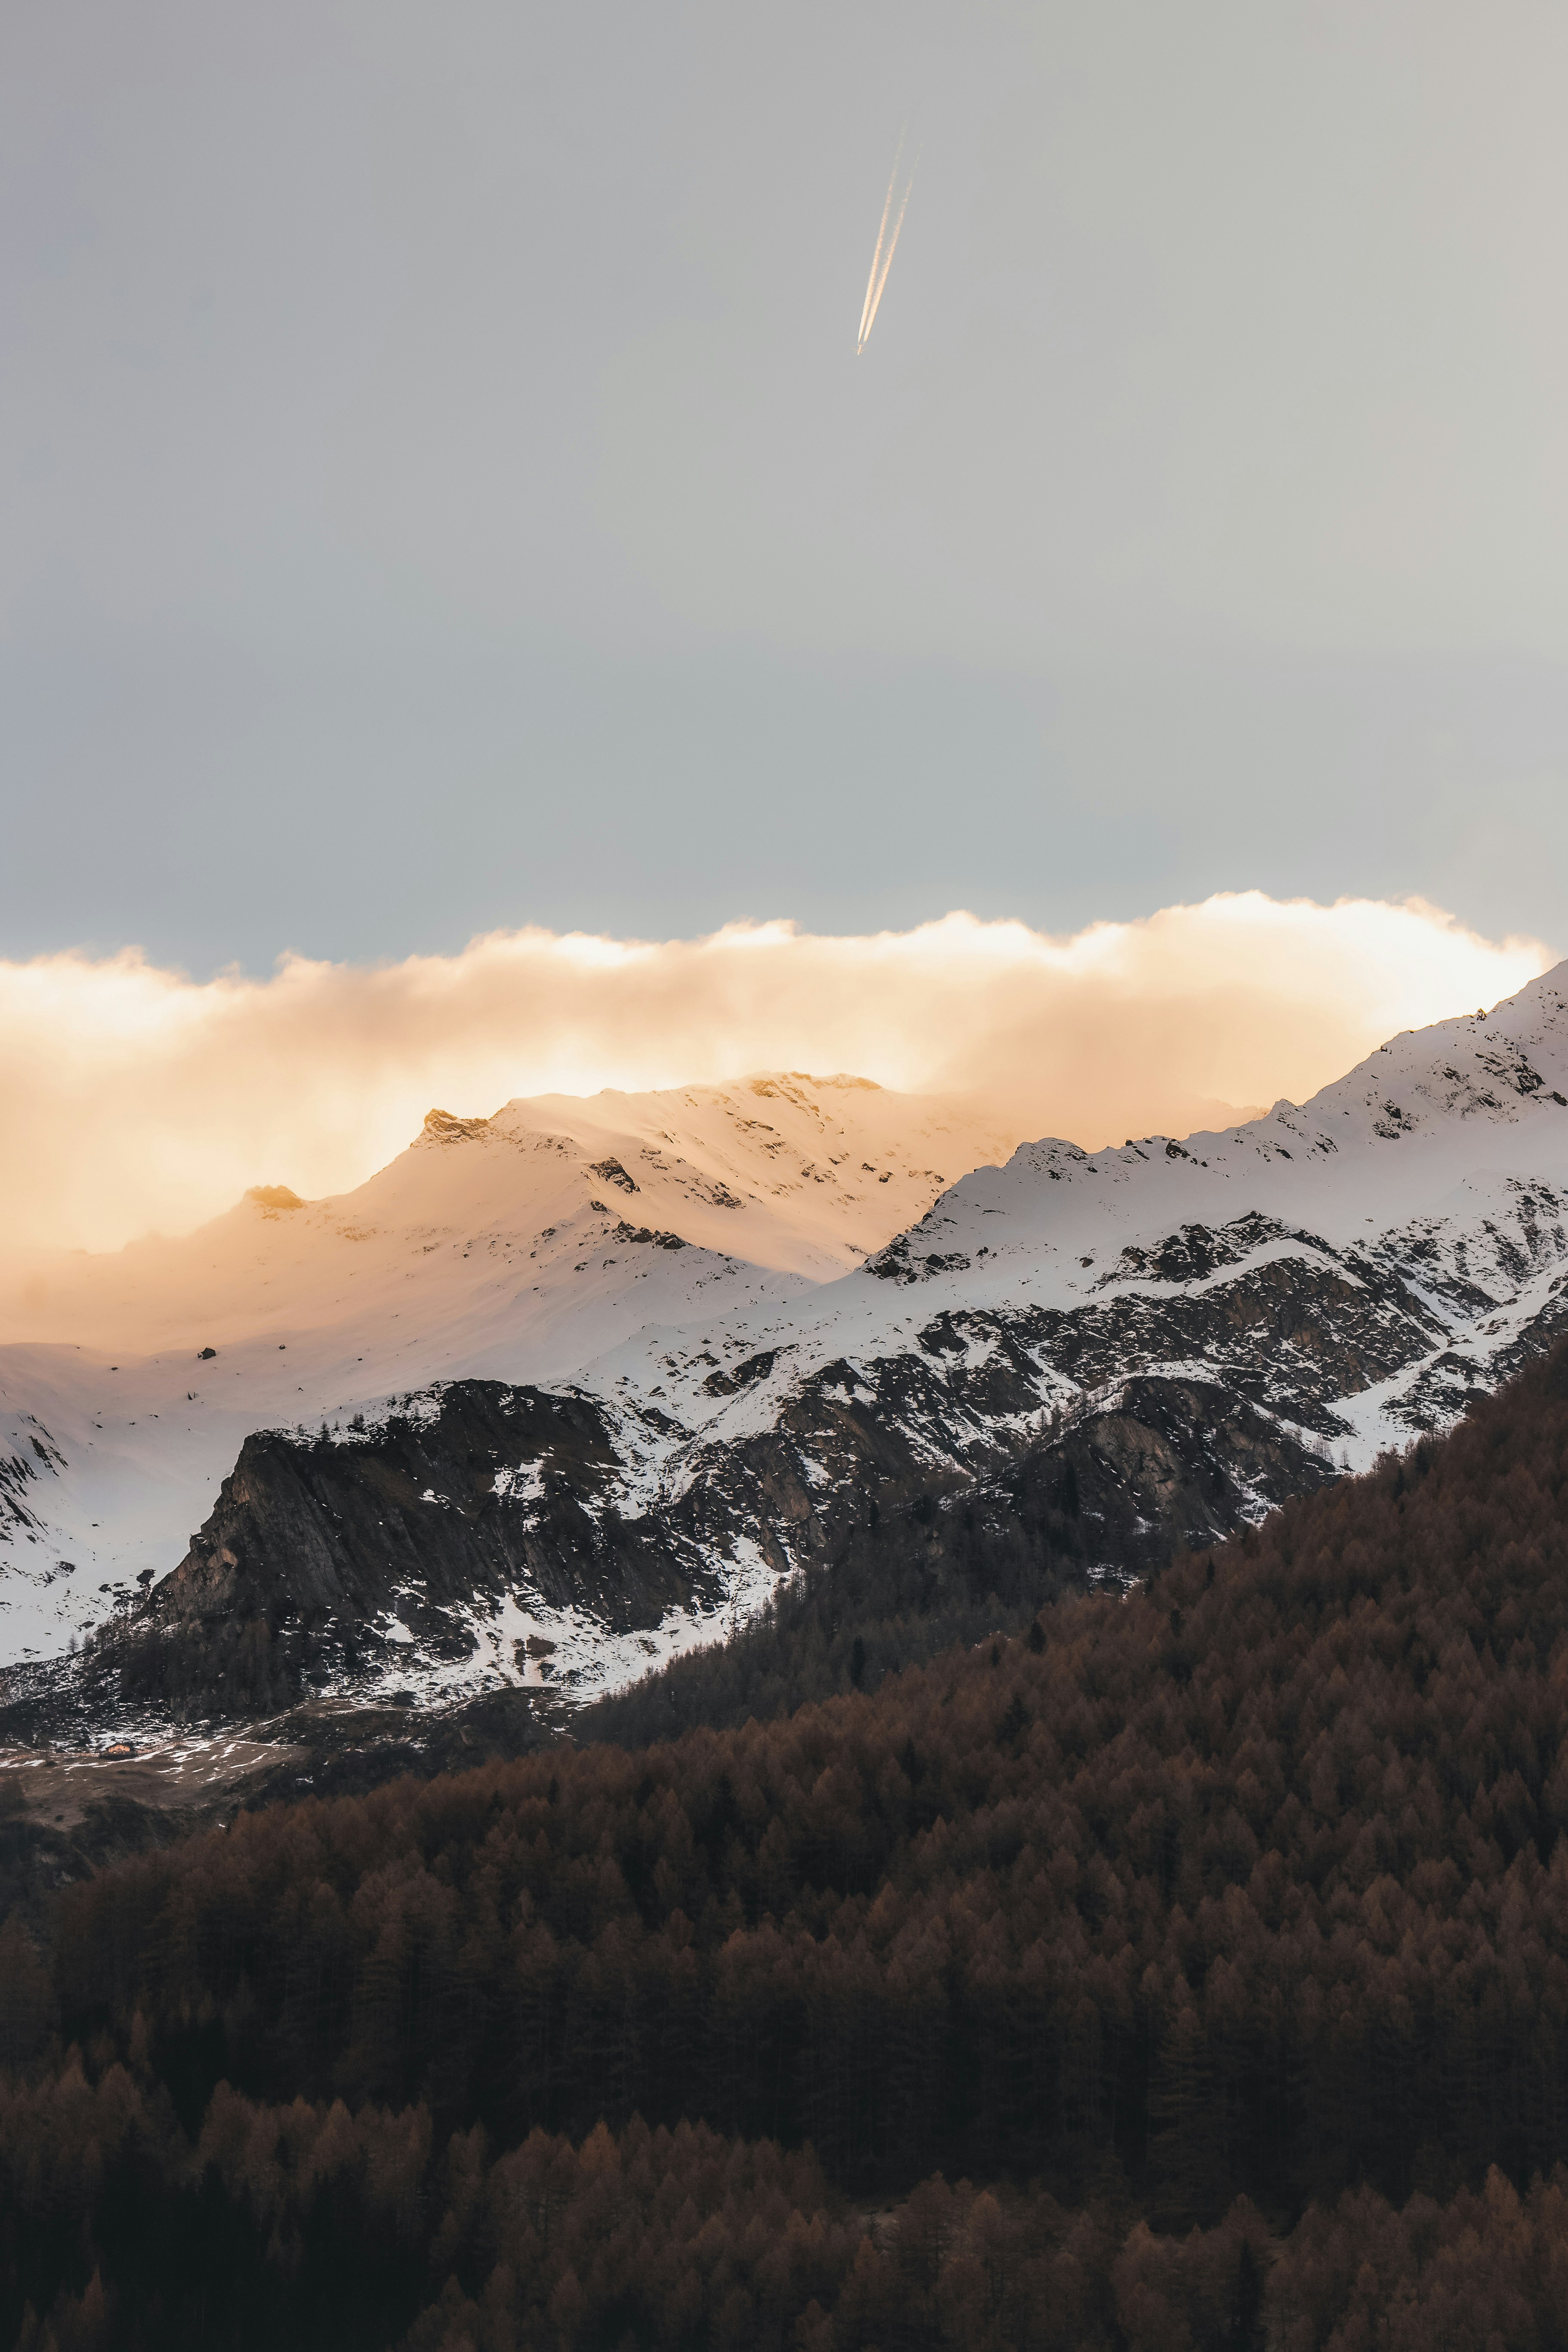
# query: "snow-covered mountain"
{"type": "Point", "coordinates": [1070, 1357]}
{"type": "Point", "coordinates": [517, 1247]}
{"type": "Point", "coordinates": [1425, 1195]}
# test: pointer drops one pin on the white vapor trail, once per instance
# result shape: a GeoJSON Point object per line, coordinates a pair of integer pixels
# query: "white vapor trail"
{"type": "Point", "coordinates": [881, 233]}
{"type": "Point", "coordinates": [880, 265]}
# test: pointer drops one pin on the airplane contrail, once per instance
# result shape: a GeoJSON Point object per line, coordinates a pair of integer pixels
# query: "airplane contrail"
{"type": "Point", "coordinates": [881, 233]}
{"type": "Point", "coordinates": [887, 264]}
{"type": "Point", "coordinates": [882, 264]}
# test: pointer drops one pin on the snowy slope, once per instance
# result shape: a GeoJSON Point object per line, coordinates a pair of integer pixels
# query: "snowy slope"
{"type": "Point", "coordinates": [1155, 1342]}
{"type": "Point", "coordinates": [1349, 1269]}
{"type": "Point", "coordinates": [519, 1247]}
{"type": "Point", "coordinates": [1440, 1162]}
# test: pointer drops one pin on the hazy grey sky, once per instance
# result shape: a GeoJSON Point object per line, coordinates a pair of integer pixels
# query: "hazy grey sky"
{"type": "Point", "coordinates": [437, 489]}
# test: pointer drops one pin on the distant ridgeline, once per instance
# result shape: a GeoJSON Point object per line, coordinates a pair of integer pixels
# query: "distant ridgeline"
{"type": "Point", "coordinates": [1061, 1372]}
{"type": "Point", "coordinates": [1190, 1970]}
{"type": "Point", "coordinates": [586, 1433]}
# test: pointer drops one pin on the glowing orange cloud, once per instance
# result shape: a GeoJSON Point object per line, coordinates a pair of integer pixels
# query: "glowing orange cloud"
{"type": "Point", "coordinates": [136, 1098]}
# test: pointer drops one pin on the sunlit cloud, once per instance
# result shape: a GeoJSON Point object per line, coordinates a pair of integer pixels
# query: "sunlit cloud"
{"type": "Point", "coordinates": [138, 1099]}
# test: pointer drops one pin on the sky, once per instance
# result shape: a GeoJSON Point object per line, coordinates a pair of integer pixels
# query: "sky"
{"type": "Point", "coordinates": [439, 494]}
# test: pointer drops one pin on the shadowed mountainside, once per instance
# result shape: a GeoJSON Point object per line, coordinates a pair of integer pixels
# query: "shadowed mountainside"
{"type": "Point", "coordinates": [327, 1564]}
{"type": "Point", "coordinates": [1239, 1903]}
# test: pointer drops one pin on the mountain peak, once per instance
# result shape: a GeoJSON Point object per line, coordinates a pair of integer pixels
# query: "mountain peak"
{"type": "Point", "coordinates": [441, 1127]}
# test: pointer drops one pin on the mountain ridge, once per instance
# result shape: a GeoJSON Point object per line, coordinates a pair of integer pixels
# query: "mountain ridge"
{"type": "Point", "coordinates": [513, 1247]}
{"type": "Point", "coordinates": [1181, 1333]}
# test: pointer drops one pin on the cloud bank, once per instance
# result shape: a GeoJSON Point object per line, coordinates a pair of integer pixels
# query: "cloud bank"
{"type": "Point", "coordinates": [137, 1099]}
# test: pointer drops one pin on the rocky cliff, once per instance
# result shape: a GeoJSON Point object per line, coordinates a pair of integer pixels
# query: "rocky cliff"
{"type": "Point", "coordinates": [1068, 1367]}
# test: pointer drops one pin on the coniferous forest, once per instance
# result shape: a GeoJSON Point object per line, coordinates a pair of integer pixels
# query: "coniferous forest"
{"type": "Point", "coordinates": [1189, 1969]}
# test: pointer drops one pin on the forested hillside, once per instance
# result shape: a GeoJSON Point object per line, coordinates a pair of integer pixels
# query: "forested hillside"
{"type": "Point", "coordinates": [944, 1571]}
{"type": "Point", "coordinates": [1237, 1907]}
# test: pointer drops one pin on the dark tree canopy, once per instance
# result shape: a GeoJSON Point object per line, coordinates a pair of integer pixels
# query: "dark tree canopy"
{"type": "Point", "coordinates": [1219, 1933]}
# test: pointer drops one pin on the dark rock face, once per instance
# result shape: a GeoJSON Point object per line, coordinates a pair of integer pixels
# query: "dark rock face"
{"type": "Point", "coordinates": [1203, 1380]}
{"type": "Point", "coordinates": [313, 1545]}
{"type": "Point", "coordinates": [610, 1171]}
{"type": "Point", "coordinates": [16, 1474]}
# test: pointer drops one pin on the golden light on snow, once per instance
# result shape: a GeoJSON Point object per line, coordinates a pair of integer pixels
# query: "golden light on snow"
{"type": "Point", "coordinates": [136, 1100]}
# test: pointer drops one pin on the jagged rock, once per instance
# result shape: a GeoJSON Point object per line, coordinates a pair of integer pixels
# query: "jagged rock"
{"type": "Point", "coordinates": [1069, 1366]}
